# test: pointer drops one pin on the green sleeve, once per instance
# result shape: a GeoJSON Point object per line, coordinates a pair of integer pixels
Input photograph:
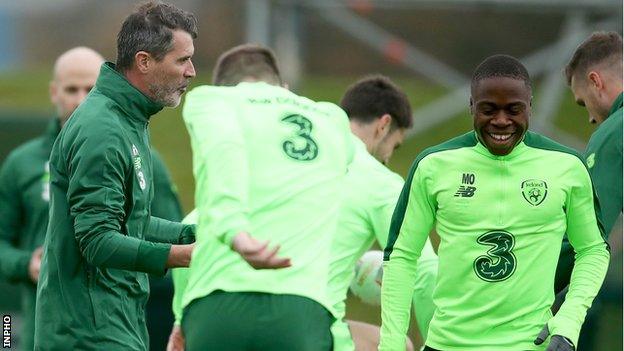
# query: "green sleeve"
{"type": "Point", "coordinates": [165, 203]}
{"type": "Point", "coordinates": [14, 262]}
{"type": "Point", "coordinates": [164, 231]}
{"type": "Point", "coordinates": [381, 213]}
{"type": "Point", "coordinates": [411, 223]}
{"type": "Point", "coordinates": [220, 165]}
{"type": "Point", "coordinates": [591, 259]}
{"type": "Point", "coordinates": [96, 175]}
{"type": "Point", "coordinates": [426, 273]}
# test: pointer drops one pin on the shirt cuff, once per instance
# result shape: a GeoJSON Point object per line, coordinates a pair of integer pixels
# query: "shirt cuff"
{"type": "Point", "coordinates": [152, 258]}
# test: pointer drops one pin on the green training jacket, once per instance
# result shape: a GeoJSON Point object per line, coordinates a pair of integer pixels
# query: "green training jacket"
{"type": "Point", "coordinates": [101, 240]}
{"type": "Point", "coordinates": [24, 208]}
{"type": "Point", "coordinates": [501, 220]}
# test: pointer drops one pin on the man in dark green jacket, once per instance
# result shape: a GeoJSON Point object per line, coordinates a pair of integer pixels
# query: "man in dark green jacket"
{"type": "Point", "coordinates": [25, 195]}
{"type": "Point", "coordinates": [24, 186]}
{"type": "Point", "coordinates": [594, 75]}
{"type": "Point", "coordinates": [101, 240]}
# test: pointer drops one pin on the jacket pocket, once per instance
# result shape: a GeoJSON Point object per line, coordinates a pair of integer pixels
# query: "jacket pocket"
{"type": "Point", "coordinates": [91, 287]}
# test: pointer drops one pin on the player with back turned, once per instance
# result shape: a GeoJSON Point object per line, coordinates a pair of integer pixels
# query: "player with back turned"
{"type": "Point", "coordinates": [269, 168]}
{"type": "Point", "coordinates": [501, 198]}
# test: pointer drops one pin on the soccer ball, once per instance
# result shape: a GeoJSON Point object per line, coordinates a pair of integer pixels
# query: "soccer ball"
{"type": "Point", "coordinates": [366, 283]}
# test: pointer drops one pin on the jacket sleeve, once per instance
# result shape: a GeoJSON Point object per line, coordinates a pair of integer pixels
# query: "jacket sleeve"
{"type": "Point", "coordinates": [14, 261]}
{"type": "Point", "coordinates": [220, 165]}
{"type": "Point", "coordinates": [165, 203]}
{"type": "Point", "coordinates": [164, 231]}
{"type": "Point", "coordinates": [96, 173]}
{"type": "Point", "coordinates": [412, 221]}
{"type": "Point", "coordinates": [426, 273]}
{"type": "Point", "coordinates": [591, 259]}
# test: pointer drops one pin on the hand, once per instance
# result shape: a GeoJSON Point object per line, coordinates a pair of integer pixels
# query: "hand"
{"type": "Point", "coordinates": [257, 253]}
{"type": "Point", "coordinates": [176, 339]}
{"type": "Point", "coordinates": [180, 256]}
{"type": "Point", "coordinates": [35, 264]}
{"type": "Point", "coordinates": [557, 342]}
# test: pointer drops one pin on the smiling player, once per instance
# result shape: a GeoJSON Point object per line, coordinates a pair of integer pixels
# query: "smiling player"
{"type": "Point", "coordinates": [501, 198]}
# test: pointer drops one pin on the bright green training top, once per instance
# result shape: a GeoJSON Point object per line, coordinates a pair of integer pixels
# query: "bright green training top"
{"type": "Point", "coordinates": [271, 163]}
{"type": "Point", "coordinates": [501, 220]}
{"type": "Point", "coordinates": [372, 191]}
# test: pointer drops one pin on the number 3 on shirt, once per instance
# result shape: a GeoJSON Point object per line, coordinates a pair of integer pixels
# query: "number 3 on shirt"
{"type": "Point", "coordinates": [499, 263]}
{"type": "Point", "coordinates": [301, 146]}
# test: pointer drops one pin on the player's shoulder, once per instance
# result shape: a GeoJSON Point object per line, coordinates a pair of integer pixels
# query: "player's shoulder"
{"type": "Point", "coordinates": [23, 155]}
{"type": "Point", "coordinates": [365, 166]}
{"type": "Point", "coordinates": [93, 129]}
{"type": "Point", "coordinates": [26, 149]}
{"type": "Point", "coordinates": [546, 145]}
{"type": "Point", "coordinates": [610, 131]}
{"type": "Point", "coordinates": [467, 140]}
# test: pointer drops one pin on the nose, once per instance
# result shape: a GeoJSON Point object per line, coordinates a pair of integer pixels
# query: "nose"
{"type": "Point", "coordinates": [501, 119]}
{"type": "Point", "coordinates": [190, 70]}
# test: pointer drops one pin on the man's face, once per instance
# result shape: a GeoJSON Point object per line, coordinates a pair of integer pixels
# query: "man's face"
{"type": "Point", "coordinates": [71, 84]}
{"type": "Point", "coordinates": [170, 77]}
{"type": "Point", "coordinates": [587, 95]}
{"type": "Point", "coordinates": [501, 107]}
{"type": "Point", "coordinates": [385, 148]}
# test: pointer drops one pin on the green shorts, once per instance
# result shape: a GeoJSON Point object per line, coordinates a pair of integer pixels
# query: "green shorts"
{"type": "Point", "coordinates": [250, 321]}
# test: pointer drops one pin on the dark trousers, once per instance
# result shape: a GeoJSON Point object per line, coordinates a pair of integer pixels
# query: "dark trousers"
{"type": "Point", "coordinates": [251, 321]}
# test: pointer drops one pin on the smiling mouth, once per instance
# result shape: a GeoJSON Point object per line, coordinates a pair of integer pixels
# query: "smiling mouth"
{"type": "Point", "coordinates": [500, 137]}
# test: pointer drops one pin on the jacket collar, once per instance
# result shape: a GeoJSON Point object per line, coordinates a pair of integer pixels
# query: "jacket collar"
{"type": "Point", "coordinates": [116, 87]}
{"type": "Point", "coordinates": [617, 104]}
{"type": "Point", "coordinates": [517, 150]}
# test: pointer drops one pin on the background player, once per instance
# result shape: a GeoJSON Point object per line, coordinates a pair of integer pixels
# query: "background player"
{"type": "Point", "coordinates": [379, 114]}
{"type": "Point", "coordinates": [269, 165]}
{"type": "Point", "coordinates": [594, 74]}
{"type": "Point", "coordinates": [501, 210]}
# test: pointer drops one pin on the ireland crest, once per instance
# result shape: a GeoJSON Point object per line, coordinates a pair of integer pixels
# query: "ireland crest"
{"type": "Point", "coordinates": [534, 191]}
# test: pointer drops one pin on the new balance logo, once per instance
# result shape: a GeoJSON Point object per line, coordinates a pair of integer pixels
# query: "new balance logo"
{"type": "Point", "coordinates": [466, 190]}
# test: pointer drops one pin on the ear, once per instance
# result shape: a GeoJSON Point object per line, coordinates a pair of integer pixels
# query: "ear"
{"type": "Point", "coordinates": [595, 80]}
{"type": "Point", "coordinates": [143, 61]}
{"type": "Point", "coordinates": [471, 106]}
{"type": "Point", "coordinates": [383, 124]}
{"type": "Point", "coordinates": [53, 90]}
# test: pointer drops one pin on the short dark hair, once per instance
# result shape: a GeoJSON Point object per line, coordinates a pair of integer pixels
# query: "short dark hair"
{"type": "Point", "coordinates": [500, 66]}
{"type": "Point", "coordinates": [598, 48]}
{"type": "Point", "coordinates": [246, 61]}
{"type": "Point", "coordinates": [374, 96]}
{"type": "Point", "coordinates": [149, 29]}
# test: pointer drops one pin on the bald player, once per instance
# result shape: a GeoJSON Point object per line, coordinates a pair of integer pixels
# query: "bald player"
{"type": "Point", "coordinates": [24, 191]}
